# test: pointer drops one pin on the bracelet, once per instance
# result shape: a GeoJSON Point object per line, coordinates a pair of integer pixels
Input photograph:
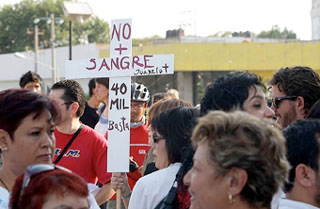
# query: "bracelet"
{"type": "Point", "coordinates": [127, 195]}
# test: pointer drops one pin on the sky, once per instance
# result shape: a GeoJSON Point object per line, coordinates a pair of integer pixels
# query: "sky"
{"type": "Point", "coordinates": [205, 17]}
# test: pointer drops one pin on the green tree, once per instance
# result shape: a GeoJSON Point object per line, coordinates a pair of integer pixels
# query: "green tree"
{"type": "Point", "coordinates": [16, 19]}
{"type": "Point", "coordinates": [276, 33]}
{"type": "Point", "coordinates": [96, 29]}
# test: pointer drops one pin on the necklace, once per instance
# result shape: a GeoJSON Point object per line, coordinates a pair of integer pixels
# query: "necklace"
{"type": "Point", "coordinates": [4, 184]}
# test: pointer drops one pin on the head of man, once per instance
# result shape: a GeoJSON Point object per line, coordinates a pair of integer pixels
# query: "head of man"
{"type": "Point", "coordinates": [31, 81]}
{"type": "Point", "coordinates": [70, 98]}
{"type": "Point", "coordinates": [139, 101]}
{"type": "Point", "coordinates": [237, 90]}
{"type": "Point", "coordinates": [294, 90]}
{"type": "Point", "coordinates": [303, 144]}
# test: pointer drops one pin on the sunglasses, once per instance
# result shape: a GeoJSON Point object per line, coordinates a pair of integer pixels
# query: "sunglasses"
{"type": "Point", "coordinates": [156, 138]}
{"type": "Point", "coordinates": [277, 100]}
{"type": "Point", "coordinates": [35, 170]}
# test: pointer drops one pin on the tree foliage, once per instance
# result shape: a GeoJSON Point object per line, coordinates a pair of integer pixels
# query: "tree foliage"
{"type": "Point", "coordinates": [276, 33]}
{"type": "Point", "coordinates": [95, 29]}
{"type": "Point", "coordinates": [17, 19]}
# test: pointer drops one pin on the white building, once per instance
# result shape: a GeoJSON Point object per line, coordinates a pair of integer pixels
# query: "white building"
{"type": "Point", "coordinates": [12, 66]}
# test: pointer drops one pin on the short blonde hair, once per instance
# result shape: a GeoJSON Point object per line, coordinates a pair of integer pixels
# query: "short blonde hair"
{"type": "Point", "coordinates": [241, 140]}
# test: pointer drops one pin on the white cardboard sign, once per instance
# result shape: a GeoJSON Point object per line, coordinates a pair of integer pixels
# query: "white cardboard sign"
{"type": "Point", "coordinates": [119, 67]}
{"type": "Point", "coordinates": [119, 100]}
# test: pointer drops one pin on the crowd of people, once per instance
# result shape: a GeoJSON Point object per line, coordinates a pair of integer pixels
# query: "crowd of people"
{"type": "Point", "coordinates": [248, 145]}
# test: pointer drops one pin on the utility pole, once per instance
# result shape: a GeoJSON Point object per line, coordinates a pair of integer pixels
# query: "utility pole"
{"type": "Point", "coordinates": [53, 50]}
{"type": "Point", "coordinates": [70, 40]}
{"type": "Point", "coordinates": [36, 33]}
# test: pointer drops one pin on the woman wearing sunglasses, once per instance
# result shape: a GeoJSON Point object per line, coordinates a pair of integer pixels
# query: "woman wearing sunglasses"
{"type": "Point", "coordinates": [26, 135]}
{"type": "Point", "coordinates": [173, 152]}
{"type": "Point", "coordinates": [119, 180]}
{"type": "Point", "coordinates": [45, 186]}
{"type": "Point", "coordinates": [237, 90]}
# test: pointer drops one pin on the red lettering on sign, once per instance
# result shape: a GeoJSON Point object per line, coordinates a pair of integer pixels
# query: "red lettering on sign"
{"type": "Point", "coordinates": [117, 31]}
{"type": "Point", "coordinates": [120, 48]}
{"type": "Point", "coordinates": [129, 31]}
{"type": "Point", "coordinates": [124, 61]}
{"type": "Point", "coordinates": [146, 60]}
{"type": "Point", "coordinates": [135, 61]}
{"type": "Point", "coordinates": [104, 64]}
{"type": "Point", "coordinates": [115, 63]}
{"type": "Point", "coordinates": [93, 60]}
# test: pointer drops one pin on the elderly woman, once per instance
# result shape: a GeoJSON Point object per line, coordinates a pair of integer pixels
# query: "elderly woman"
{"type": "Point", "coordinates": [237, 90]}
{"type": "Point", "coordinates": [239, 162]}
{"type": "Point", "coordinates": [45, 186]}
{"type": "Point", "coordinates": [26, 135]}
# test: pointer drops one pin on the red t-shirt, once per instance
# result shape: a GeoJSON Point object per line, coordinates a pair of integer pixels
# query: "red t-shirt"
{"type": "Point", "coordinates": [139, 143]}
{"type": "Point", "coordinates": [87, 155]}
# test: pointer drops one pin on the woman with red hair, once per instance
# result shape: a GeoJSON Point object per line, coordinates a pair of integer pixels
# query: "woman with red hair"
{"type": "Point", "coordinates": [45, 186]}
{"type": "Point", "coordinates": [27, 122]}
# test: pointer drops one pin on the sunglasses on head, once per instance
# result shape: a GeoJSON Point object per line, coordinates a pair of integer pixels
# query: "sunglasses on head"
{"type": "Point", "coordinates": [277, 100]}
{"type": "Point", "coordinates": [35, 170]}
{"type": "Point", "coordinates": [156, 137]}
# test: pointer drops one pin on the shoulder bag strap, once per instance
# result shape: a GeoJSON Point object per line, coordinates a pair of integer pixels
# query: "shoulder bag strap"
{"type": "Point", "coordinates": [69, 144]}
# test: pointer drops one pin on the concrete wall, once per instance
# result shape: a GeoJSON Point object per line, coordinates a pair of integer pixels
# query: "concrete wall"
{"type": "Point", "coordinates": [185, 86]}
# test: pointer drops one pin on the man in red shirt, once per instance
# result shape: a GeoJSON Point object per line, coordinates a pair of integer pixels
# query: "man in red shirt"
{"type": "Point", "coordinates": [87, 155]}
{"type": "Point", "coordinates": [139, 145]}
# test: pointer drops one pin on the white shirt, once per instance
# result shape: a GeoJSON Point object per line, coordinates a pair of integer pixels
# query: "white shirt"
{"type": "Point", "coordinates": [151, 189]}
{"type": "Point", "coordinates": [276, 199]}
{"type": "Point", "coordinates": [4, 198]}
{"type": "Point", "coordinates": [291, 204]}
{"type": "Point", "coordinates": [92, 192]}
{"type": "Point", "coordinates": [102, 128]}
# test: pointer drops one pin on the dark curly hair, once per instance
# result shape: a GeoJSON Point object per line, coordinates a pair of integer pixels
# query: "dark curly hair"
{"type": "Point", "coordinates": [29, 77]}
{"type": "Point", "coordinates": [229, 91]}
{"type": "Point", "coordinates": [298, 81]}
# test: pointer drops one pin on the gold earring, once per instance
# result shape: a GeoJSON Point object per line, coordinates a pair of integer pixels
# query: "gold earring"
{"type": "Point", "coordinates": [230, 198]}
